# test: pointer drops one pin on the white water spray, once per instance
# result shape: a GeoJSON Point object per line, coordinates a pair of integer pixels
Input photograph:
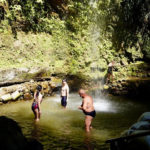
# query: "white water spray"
{"type": "Point", "coordinates": [100, 104]}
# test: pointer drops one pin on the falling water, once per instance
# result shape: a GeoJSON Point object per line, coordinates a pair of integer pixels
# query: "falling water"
{"type": "Point", "coordinates": [100, 104]}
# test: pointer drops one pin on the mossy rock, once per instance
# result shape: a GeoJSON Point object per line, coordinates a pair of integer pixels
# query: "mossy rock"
{"type": "Point", "coordinates": [106, 87]}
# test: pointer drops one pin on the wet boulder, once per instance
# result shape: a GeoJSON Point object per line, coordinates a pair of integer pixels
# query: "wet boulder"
{"type": "Point", "coordinates": [16, 95]}
{"type": "Point", "coordinates": [141, 125]}
{"type": "Point", "coordinates": [13, 96]}
{"type": "Point", "coordinates": [138, 143]}
{"type": "Point", "coordinates": [27, 96]}
{"type": "Point", "coordinates": [141, 140]}
{"type": "Point", "coordinates": [106, 87]}
{"type": "Point", "coordinates": [6, 97]}
{"type": "Point", "coordinates": [12, 138]}
{"type": "Point", "coordinates": [137, 137]}
{"type": "Point", "coordinates": [145, 117]}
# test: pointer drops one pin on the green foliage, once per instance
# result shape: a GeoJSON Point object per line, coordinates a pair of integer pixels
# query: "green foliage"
{"type": "Point", "coordinates": [71, 36]}
{"type": "Point", "coordinates": [133, 26]}
{"type": "Point", "coordinates": [30, 15]}
{"type": "Point", "coordinates": [79, 15]}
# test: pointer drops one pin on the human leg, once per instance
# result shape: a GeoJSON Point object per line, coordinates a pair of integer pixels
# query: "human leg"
{"type": "Point", "coordinates": [112, 77]}
{"type": "Point", "coordinates": [39, 114]}
{"type": "Point", "coordinates": [108, 78]}
{"type": "Point", "coordinates": [33, 111]}
{"type": "Point", "coordinates": [36, 114]}
{"type": "Point", "coordinates": [88, 121]}
{"type": "Point", "coordinates": [64, 101]}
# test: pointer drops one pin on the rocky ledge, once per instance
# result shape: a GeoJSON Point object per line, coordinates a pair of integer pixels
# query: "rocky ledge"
{"type": "Point", "coordinates": [25, 90]}
{"type": "Point", "coordinates": [134, 87]}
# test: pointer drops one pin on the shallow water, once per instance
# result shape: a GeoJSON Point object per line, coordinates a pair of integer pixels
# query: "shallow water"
{"type": "Point", "coordinates": [61, 129]}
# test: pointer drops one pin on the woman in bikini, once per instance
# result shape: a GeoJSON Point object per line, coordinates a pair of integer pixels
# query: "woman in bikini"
{"type": "Point", "coordinates": [36, 105]}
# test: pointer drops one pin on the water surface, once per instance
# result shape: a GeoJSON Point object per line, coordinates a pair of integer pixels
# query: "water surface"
{"type": "Point", "coordinates": [61, 129]}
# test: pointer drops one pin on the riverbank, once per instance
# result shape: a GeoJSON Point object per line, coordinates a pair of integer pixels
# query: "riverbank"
{"type": "Point", "coordinates": [73, 40]}
{"type": "Point", "coordinates": [129, 80]}
{"type": "Point", "coordinates": [25, 91]}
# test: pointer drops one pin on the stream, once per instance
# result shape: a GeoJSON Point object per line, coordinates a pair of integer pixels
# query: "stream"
{"type": "Point", "coordinates": [63, 129]}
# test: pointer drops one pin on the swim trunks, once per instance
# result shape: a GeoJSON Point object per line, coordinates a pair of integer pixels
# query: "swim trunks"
{"type": "Point", "coordinates": [92, 113]}
{"type": "Point", "coordinates": [64, 101]}
{"type": "Point", "coordinates": [109, 70]}
{"type": "Point", "coordinates": [35, 106]}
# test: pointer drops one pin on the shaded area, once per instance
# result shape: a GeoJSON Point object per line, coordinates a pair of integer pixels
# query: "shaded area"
{"type": "Point", "coordinates": [11, 137]}
{"type": "Point", "coordinates": [132, 28]}
{"type": "Point", "coordinates": [137, 137]}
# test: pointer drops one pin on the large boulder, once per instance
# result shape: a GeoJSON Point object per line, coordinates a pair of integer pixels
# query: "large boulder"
{"type": "Point", "coordinates": [21, 74]}
{"type": "Point", "coordinates": [137, 137]}
{"type": "Point", "coordinates": [145, 117]}
{"type": "Point", "coordinates": [11, 137]}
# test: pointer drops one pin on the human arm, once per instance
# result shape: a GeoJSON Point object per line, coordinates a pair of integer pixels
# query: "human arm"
{"type": "Point", "coordinates": [34, 95]}
{"type": "Point", "coordinates": [39, 102]}
{"type": "Point", "coordinates": [81, 106]}
{"type": "Point", "coordinates": [67, 92]}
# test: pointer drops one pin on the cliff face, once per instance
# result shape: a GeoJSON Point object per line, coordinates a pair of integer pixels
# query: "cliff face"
{"type": "Point", "coordinates": [74, 38]}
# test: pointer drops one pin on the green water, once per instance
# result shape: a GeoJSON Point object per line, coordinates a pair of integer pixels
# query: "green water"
{"type": "Point", "coordinates": [61, 129]}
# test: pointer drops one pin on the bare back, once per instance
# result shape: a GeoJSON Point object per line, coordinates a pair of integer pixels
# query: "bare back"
{"type": "Point", "coordinates": [37, 99]}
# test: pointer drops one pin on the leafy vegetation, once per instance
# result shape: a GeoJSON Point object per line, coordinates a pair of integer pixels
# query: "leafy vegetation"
{"type": "Point", "coordinates": [56, 35]}
{"type": "Point", "coordinates": [73, 36]}
{"type": "Point", "coordinates": [132, 30]}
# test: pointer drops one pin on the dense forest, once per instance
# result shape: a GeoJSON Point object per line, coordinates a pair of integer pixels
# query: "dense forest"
{"type": "Point", "coordinates": [50, 49]}
{"type": "Point", "coordinates": [81, 37]}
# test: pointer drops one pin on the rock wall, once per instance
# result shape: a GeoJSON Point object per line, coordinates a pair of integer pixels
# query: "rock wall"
{"type": "Point", "coordinates": [22, 74]}
{"type": "Point", "coordinates": [25, 91]}
{"type": "Point", "coordinates": [132, 80]}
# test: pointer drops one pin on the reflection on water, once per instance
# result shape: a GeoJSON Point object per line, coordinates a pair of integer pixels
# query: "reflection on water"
{"type": "Point", "coordinates": [64, 129]}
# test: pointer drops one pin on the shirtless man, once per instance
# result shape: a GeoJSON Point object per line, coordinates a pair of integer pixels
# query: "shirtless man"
{"type": "Point", "coordinates": [64, 93]}
{"type": "Point", "coordinates": [87, 108]}
{"type": "Point", "coordinates": [110, 71]}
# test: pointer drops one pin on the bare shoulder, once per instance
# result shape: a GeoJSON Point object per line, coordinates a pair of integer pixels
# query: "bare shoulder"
{"type": "Point", "coordinates": [40, 96]}
{"type": "Point", "coordinates": [67, 87]}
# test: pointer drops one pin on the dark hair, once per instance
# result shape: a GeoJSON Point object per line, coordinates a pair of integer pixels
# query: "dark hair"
{"type": "Point", "coordinates": [39, 88]}
{"type": "Point", "coordinates": [64, 80]}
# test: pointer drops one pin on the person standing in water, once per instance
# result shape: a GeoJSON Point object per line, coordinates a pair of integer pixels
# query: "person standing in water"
{"type": "Point", "coordinates": [36, 105]}
{"type": "Point", "coordinates": [64, 93]}
{"type": "Point", "coordinates": [110, 71]}
{"type": "Point", "coordinates": [87, 108]}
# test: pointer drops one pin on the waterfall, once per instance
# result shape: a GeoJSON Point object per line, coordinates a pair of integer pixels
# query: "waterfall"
{"type": "Point", "coordinates": [95, 30]}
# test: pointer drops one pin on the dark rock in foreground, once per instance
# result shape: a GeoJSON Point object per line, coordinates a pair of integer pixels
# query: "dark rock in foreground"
{"type": "Point", "coordinates": [137, 137]}
{"type": "Point", "coordinates": [11, 137]}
